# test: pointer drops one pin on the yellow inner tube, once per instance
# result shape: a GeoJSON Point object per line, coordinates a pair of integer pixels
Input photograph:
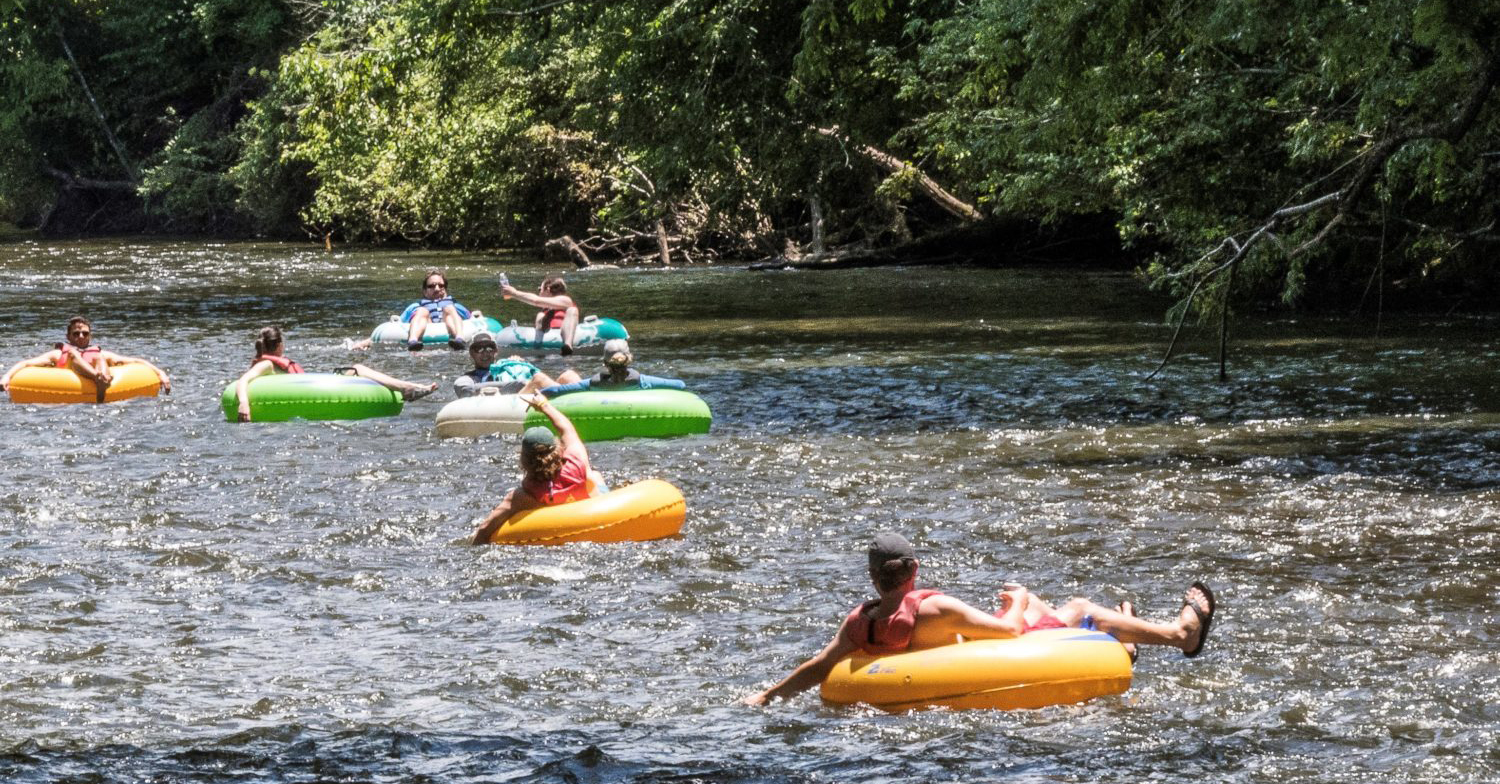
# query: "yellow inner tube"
{"type": "Point", "coordinates": [1048, 667]}
{"type": "Point", "coordinates": [645, 510]}
{"type": "Point", "coordinates": [63, 385]}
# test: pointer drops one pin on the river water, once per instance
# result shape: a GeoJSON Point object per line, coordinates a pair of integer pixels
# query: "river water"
{"type": "Point", "coordinates": [189, 600]}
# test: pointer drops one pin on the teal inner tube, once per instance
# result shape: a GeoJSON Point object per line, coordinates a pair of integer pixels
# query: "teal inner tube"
{"type": "Point", "coordinates": [283, 396]}
{"type": "Point", "coordinates": [395, 330]}
{"type": "Point", "coordinates": [631, 413]}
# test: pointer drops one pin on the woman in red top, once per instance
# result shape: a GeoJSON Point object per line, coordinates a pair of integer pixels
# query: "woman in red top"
{"type": "Point", "coordinates": [556, 310]}
{"type": "Point", "coordinates": [904, 618]}
{"type": "Point", "coordinates": [270, 357]}
{"type": "Point", "coordinates": [556, 470]}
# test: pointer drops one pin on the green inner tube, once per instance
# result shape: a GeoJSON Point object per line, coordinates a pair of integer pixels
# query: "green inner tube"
{"type": "Point", "coordinates": [283, 396]}
{"type": "Point", "coordinates": [632, 413]}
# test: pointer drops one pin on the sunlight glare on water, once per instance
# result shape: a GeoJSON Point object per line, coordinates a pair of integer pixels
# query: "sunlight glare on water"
{"type": "Point", "coordinates": [194, 600]}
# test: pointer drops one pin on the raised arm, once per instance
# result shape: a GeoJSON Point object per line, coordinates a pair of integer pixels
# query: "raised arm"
{"type": "Point", "coordinates": [567, 435]}
{"type": "Point", "coordinates": [809, 673]}
{"type": "Point", "coordinates": [242, 387]}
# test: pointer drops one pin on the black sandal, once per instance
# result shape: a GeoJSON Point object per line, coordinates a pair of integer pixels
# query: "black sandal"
{"type": "Point", "coordinates": [1205, 619]}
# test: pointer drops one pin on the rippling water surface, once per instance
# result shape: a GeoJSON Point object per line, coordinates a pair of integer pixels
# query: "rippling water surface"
{"type": "Point", "coordinates": [191, 600]}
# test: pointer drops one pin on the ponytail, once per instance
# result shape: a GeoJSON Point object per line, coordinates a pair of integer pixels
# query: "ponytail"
{"type": "Point", "coordinates": [269, 340]}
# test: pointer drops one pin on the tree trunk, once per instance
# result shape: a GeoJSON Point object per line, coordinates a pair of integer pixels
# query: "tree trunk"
{"type": "Point", "coordinates": [663, 245]}
{"type": "Point", "coordinates": [572, 250]}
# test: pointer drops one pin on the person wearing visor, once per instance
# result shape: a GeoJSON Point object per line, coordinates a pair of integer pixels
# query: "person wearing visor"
{"type": "Point", "coordinates": [555, 470]}
{"type": "Point", "coordinates": [907, 618]}
{"type": "Point", "coordinates": [617, 374]}
{"type": "Point", "coordinates": [80, 355]}
{"type": "Point", "coordinates": [512, 375]}
{"type": "Point", "coordinates": [555, 309]}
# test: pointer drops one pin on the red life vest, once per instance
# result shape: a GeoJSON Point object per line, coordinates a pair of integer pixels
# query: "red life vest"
{"type": "Point", "coordinates": [553, 319]}
{"type": "Point", "coordinates": [85, 354]}
{"type": "Point", "coordinates": [282, 363]}
{"type": "Point", "coordinates": [887, 635]}
{"type": "Point", "coordinates": [570, 484]}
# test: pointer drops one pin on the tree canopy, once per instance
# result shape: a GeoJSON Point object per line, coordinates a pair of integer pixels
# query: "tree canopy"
{"type": "Point", "coordinates": [1290, 151]}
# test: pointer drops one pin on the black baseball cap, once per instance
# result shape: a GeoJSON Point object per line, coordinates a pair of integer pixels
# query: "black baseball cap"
{"type": "Point", "coordinates": [888, 546]}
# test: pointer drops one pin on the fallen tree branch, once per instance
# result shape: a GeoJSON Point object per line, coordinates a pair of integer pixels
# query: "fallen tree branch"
{"type": "Point", "coordinates": [98, 113]}
{"type": "Point", "coordinates": [1372, 160]}
{"type": "Point", "coordinates": [87, 184]}
{"type": "Point", "coordinates": [950, 203]}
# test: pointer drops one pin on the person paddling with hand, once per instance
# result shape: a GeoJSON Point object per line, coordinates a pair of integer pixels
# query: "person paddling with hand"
{"type": "Point", "coordinates": [906, 618]}
{"type": "Point", "coordinates": [556, 470]}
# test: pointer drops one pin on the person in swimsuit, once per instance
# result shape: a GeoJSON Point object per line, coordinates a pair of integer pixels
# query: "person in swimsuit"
{"type": "Point", "coordinates": [556, 310]}
{"type": "Point", "coordinates": [904, 618]}
{"type": "Point", "coordinates": [82, 357]}
{"type": "Point", "coordinates": [270, 357]}
{"type": "Point", "coordinates": [556, 470]}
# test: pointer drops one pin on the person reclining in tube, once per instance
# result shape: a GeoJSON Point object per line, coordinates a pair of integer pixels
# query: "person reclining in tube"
{"type": "Point", "coordinates": [905, 618]}
{"type": "Point", "coordinates": [80, 355]}
{"type": "Point", "coordinates": [270, 357]}
{"type": "Point", "coordinates": [513, 375]}
{"type": "Point", "coordinates": [555, 309]}
{"type": "Point", "coordinates": [436, 305]}
{"type": "Point", "coordinates": [556, 470]}
{"type": "Point", "coordinates": [617, 374]}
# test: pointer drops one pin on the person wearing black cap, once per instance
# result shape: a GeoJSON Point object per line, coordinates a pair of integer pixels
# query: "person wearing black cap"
{"type": "Point", "coordinates": [512, 375]}
{"type": "Point", "coordinates": [617, 374]}
{"type": "Point", "coordinates": [556, 470]}
{"type": "Point", "coordinates": [905, 618]}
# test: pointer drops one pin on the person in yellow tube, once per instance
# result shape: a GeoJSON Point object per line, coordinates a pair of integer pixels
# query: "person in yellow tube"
{"type": "Point", "coordinates": [83, 357]}
{"type": "Point", "coordinates": [906, 618]}
{"type": "Point", "coordinates": [556, 467]}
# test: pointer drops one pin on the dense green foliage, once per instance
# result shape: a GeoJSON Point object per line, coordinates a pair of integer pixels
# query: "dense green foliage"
{"type": "Point", "coordinates": [489, 122]}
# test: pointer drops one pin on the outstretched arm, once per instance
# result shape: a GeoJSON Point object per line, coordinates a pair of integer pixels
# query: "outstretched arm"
{"type": "Point", "coordinates": [116, 359]}
{"type": "Point", "coordinates": [40, 360]}
{"type": "Point", "coordinates": [517, 500]}
{"type": "Point", "coordinates": [809, 673]}
{"type": "Point", "coordinates": [559, 302]}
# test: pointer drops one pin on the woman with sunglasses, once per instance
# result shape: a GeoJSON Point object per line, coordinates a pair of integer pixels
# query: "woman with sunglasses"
{"type": "Point", "coordinates": [436, 305]}
{"type": "Point", "coordinates": [82, 357]}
